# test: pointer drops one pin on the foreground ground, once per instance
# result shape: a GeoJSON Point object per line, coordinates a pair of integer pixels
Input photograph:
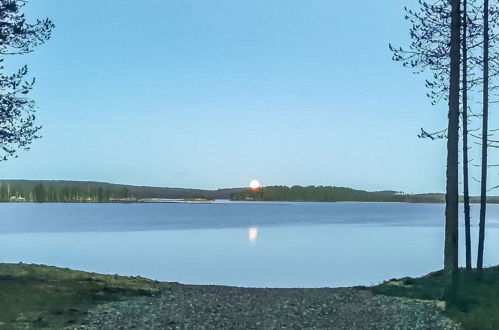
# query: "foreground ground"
{"type": "Point", "coordinates": [34, 296]}
{"type": "Point", "coordinates": [476, 305]}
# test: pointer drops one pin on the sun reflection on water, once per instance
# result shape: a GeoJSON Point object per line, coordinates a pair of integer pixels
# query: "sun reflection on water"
{"type": "Point", "coordinates": [252, 234]}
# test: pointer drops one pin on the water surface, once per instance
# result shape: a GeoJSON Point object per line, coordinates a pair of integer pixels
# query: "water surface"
{"type": "Point", "coordinates": [244, 244]}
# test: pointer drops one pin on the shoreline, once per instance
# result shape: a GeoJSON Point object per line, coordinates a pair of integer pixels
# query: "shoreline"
{"type": "Point", "coordinates": [228, 201]}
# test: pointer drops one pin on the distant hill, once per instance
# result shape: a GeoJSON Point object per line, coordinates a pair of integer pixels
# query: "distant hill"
{"type": "Point", "coordinates": [91, 191]}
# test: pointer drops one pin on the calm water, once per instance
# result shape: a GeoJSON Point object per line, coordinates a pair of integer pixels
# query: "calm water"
{"type": "Point", "coordinates": [244, 244]}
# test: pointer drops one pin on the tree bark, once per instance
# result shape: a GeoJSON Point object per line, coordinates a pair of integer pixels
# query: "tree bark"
{"type": "Point", "coordinates": [466, 193]}
{"type": "Point", "coordinates": [452, 189]}
{"type": "Point", "coordinates": [485, 123]}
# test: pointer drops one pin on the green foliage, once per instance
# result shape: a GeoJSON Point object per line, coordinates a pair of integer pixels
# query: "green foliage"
{"type": "Point", "coordinates": [331, 194]}
{"type": "Point", "coordinates": [39, 194]}
{"type": "Point", "coordinates": [17, 110]}
{"type": "Point", "coordinates": [89, 191]}
{"type": "Point", "coordinates": [22, 192]}
{"type": "Point", "coordinates": [35, 296]}
{"type": "Point", "coordinates": [476, 305]}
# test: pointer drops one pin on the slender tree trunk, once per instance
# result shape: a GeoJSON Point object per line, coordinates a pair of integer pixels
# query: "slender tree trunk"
{"type": "Point", "coordinates": [485, 118]}
{"type": "Point", "coordinates": [452, 193]}
{"type": "Point", "coordinates": [466, 193]}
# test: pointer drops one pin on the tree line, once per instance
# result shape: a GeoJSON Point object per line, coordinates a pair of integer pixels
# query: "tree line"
{"type": "Point", "coordinates": [65, 194]}
{"type": "Point", "coordinates": [322, 194]}
{"type": "Point", "coordinates": [91, 191]}
{"type": "Point", "coordinates": [341, 194]}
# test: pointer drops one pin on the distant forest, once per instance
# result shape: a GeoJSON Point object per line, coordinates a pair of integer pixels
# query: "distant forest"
{"type": "Point", "coordinates": [88, 191]}
{"type": "Point", "coordinates": [102, 192]}
{"type": "Point", "coordinates": [339, 194]}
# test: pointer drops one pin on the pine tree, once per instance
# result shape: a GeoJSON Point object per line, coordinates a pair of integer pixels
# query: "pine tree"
{"type": "Point", "coordinates": [485, 118]}
{"type": "Point", "coordinates": [17, 118]}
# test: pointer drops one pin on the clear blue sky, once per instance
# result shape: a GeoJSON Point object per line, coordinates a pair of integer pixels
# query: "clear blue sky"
{"type": "Point", "coordinates": [210, 94]}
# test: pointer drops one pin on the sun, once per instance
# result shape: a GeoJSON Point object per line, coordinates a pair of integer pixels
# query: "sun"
{"type": "Point", "coordinates": [255, 185]}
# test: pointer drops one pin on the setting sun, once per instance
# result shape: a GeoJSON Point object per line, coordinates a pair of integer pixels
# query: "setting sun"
{"type": "Point", "coordinates": [255, 184]}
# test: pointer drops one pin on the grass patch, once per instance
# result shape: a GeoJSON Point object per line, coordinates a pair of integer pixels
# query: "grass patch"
{"type": "Point", "coordinates": [36, 296]}
{"type": "Point", "coordinates": [476, 305]}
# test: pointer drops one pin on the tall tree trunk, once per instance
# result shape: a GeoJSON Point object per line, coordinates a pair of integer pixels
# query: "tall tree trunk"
{"type": "Point", "coordinates": [452, 193]}
{"type": "Point", "coordinates": [485, 123]}
{"type": "Point", "coordinates": [466, 193]}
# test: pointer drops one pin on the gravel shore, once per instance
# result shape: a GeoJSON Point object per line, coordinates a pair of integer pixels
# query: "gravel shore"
{"type": "Point", "coordinates": [179, 306]}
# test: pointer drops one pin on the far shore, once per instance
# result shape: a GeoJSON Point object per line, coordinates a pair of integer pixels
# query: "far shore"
{"type": "Point", "coordinates": [220, 201]}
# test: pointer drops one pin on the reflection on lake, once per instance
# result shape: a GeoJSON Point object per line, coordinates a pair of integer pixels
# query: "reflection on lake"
{"type": "Point", "coordinates": [252, 234]}
{"type": "Point", "coordinates": [314, 247]}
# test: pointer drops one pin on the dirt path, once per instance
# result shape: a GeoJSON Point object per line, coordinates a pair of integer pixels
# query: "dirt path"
{"type": "Point", "coordinates": [179, 306]}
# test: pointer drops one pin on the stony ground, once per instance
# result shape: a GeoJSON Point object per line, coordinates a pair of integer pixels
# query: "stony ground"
{"type": "Point", "coordinates": [178, 306]}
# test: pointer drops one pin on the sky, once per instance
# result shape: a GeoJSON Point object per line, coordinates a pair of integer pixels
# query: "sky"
{"type": "Point", "coordinates": [212, 94]}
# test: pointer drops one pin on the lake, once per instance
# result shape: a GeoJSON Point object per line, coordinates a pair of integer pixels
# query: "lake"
{"type": "Point", "coordinates": [254, 244]}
